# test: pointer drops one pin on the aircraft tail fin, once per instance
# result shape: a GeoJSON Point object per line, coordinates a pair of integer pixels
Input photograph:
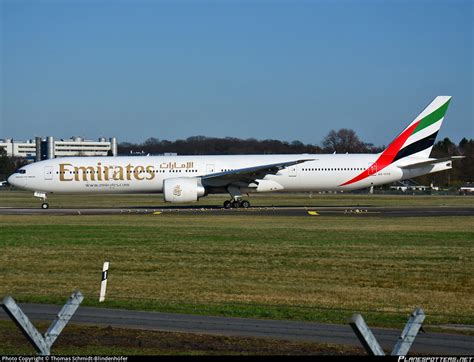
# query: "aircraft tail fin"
{"type": "Point", "coordinates": [415, 141]}
{"type": "Point", "coordinates": [418, 138]}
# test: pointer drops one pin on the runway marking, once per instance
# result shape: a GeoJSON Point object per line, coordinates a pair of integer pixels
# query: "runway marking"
{"type": "Point", "coordinates": [270, 211]}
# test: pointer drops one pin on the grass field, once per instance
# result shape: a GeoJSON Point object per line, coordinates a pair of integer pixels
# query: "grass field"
{"type": "Point", "coordinates": [308, 268]}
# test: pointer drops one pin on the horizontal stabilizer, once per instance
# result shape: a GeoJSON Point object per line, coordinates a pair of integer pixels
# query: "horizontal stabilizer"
{"type": "Point", "coordinates": [431, 162]}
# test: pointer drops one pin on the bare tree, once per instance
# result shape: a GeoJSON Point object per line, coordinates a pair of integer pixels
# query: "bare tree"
{"type": "Point", "coordinates": [342, 141]}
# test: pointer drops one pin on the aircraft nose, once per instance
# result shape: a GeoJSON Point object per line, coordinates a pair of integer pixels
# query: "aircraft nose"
{"type": "Point", "coordinates": [11, 180]}
{"type": "Point", "coordinates": [15, 181]}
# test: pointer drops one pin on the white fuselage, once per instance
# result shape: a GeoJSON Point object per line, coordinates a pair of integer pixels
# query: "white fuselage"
{"type": "Point", "coordinates": [187, 178]}
{"type": "Point", "coordinates": [134, 174]}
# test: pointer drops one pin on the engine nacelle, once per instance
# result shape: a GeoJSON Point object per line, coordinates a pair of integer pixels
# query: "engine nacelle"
{"type": "Point", "coordinates": [182, 189]}
{"type": "Point", "coordinates": [268, 186]}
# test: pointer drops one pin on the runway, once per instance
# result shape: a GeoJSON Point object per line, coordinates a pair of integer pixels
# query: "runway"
{"type": "Point", "coordinates": [348, 211]}
{"type": "Point", "coordinates": [425, 343]}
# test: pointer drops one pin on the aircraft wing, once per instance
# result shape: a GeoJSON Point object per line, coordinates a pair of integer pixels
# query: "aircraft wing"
{"type": "Point", "coordinates": [430, 162]}
{"type": "Point", "coordinates": [248, 174]}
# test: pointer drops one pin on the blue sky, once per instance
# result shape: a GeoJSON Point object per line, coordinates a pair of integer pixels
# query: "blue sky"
{"type": "Point", "coordinates": [289, 70]}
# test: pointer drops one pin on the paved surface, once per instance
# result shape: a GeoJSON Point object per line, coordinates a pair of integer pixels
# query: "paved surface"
{"type": "Point", "coordinates": [432, 343]}
{"type": "Point", "coordinates": [361, 211]}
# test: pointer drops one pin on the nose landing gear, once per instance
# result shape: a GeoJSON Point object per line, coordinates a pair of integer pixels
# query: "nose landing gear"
{"type": "Point", "coordinates": [42, 195]}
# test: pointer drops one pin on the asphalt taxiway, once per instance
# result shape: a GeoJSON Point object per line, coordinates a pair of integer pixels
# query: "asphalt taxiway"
{"type": "Point", "coordinates": [349, 211]}
{"type": "Point", "coordinates": [425, 343]}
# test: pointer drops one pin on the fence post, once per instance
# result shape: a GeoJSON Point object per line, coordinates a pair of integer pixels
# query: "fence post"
{"type": "Point", "coordinates": [41, 343]}
{"type": "Point", "coordinates": [409, 334]}
{"type": "Point", "coordinates": [25, 326]}
{"type": "Point", "coordinates": [63, 318]}
{"type": "Point", "coordinates": [365, 336]}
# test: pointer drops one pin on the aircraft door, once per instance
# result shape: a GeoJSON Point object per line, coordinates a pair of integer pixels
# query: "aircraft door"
{"type": "Point", "coordinates": [209, 168]}
{"type": "Point", "coordinates": [48, 173]}
{"type": "Point", "coordinates": [372, 170]}
{"type": "Point", "coordinates": [292, 171]}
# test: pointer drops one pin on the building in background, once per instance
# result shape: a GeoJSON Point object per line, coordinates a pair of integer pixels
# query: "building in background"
{"type": "Point", "coordinates": [467, 189]}
{"type": "Point", "coordinates": [47, 148]}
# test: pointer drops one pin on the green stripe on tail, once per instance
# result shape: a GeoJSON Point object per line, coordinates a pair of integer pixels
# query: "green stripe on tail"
{"type": "Point", "coordinates": [432, 117]}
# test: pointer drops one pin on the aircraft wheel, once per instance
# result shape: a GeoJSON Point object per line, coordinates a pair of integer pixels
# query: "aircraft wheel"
{"type": "Point", "coordinates": [236, 204]}
{"type": "Point", "coordinates": [227, 204]}
{"type": "Point", "coordinates": [245, 204]}
{"type": "Point", "coordinates": [44, 205]}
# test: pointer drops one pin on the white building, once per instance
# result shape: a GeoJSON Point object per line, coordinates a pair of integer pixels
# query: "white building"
{"type": "Point", "coordinates": [467, 189]}
{"type": "Point", "coordinates": [19, 148]}
{"type": "Point", "coordinates": [50, 148]}
{"type": "Point", "coordinates": [77, 146]}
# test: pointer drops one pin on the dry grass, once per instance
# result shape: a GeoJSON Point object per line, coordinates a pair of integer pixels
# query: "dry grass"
{"type": "Point", "coordinates": [280, 267]}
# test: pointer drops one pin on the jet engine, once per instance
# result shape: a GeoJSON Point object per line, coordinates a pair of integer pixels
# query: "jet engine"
{"type": "Point", "coordinates": [182, 189]}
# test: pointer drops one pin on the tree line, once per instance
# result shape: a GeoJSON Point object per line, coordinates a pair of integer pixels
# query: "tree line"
{"type": "Point", "coordinates": [462, 171]}
{"type": "Point", "coordinates": [341, 141]}
{"type": "Point", "coordinates": [8, 165]}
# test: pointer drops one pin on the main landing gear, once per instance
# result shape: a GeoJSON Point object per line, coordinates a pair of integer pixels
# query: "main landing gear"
{"type": "Point", "coordinates": [235, 204]}
{"type": "Point", "coordinates": [42, 195]}
{"type": "Point", "coordinates": [236, 201]}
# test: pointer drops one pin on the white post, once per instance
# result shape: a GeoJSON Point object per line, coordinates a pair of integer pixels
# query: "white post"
{"type": "Point", "coordinates": [103, 284]}
{"type": "Point", "coordinates": [408, 336]}
{"type": "Point", "coordinates": [363, 332]}
{"type": "Point", "coordinates": [404, 341]}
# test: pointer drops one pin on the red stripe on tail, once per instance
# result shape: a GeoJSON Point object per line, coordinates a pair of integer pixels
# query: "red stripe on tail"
{"type": "Point", "coordinates": [387, 156]}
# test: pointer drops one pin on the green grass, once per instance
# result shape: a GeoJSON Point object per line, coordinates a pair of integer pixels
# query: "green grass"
{"type": "Point", "coordinates": [305, 268]}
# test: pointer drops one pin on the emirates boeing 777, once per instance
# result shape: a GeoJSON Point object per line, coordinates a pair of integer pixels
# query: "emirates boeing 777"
{"type": "Point", "coordinates": [188, 178]}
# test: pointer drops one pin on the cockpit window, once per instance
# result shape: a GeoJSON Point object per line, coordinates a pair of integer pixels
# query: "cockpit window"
{"type": "Point", "coordinates": [21, 171]}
